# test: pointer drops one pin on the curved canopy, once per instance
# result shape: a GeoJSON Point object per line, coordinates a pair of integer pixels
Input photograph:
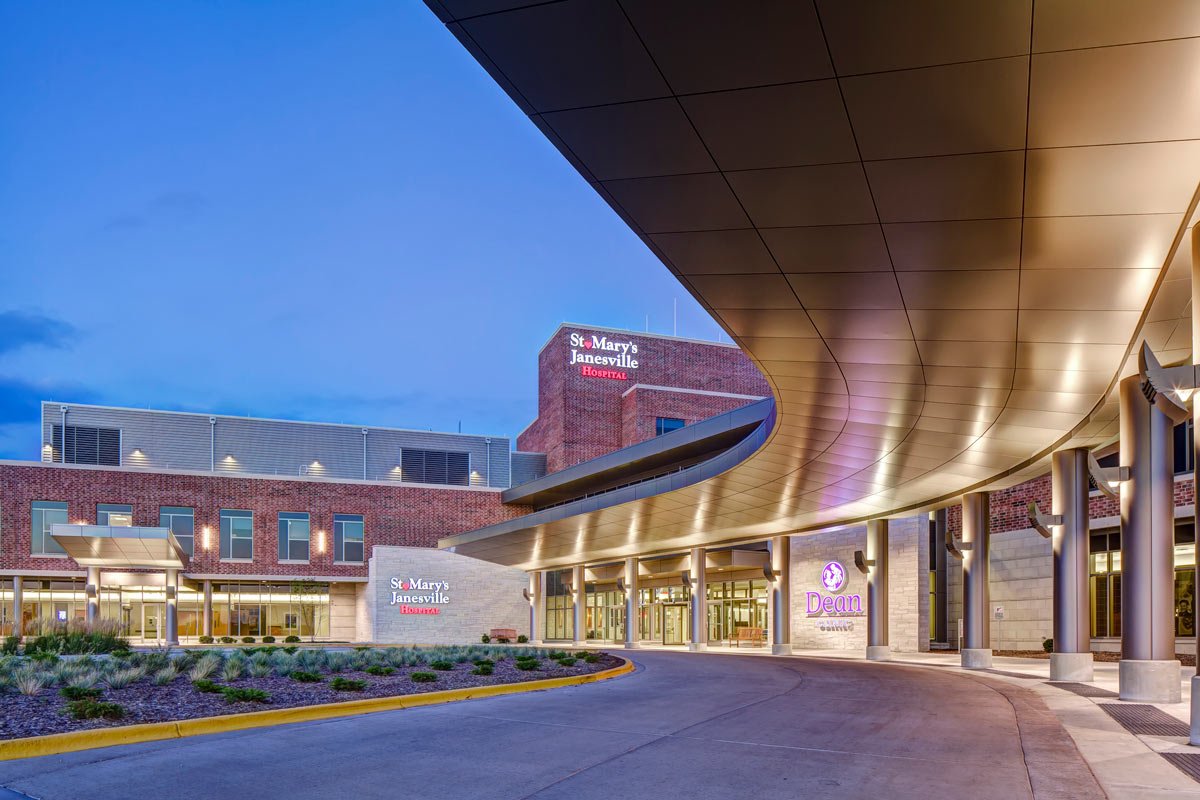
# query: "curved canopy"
{"type": "Point", "coordinates": [939, 228]}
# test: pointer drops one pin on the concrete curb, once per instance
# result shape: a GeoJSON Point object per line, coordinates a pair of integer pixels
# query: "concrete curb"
{"type": "Point", "coordinates": [55, 743]}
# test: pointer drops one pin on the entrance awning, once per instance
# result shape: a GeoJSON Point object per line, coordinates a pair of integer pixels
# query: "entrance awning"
{"type": "Point", "coordinates": [107, 546]}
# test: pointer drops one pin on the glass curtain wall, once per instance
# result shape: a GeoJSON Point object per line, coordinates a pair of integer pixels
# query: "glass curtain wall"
{"type": "Point", "coordinates": [1104, 562]}
{"type": "Point", "coordinates": [252, 608]}
{"type": "Point", "coordinates": [736, 604]}
{"type": "Point", "coordinates": [605, 613]}
{"type": "Point", "coordinates": [559, 624]}
{"type": "Point", "coordinates": [665, 615]}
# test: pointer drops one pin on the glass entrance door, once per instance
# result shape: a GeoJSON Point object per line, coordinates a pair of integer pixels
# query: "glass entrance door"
{"type": "Point", "coordinates": [674, 624]}
{"type": "Point", "coordinates": [152, 622]}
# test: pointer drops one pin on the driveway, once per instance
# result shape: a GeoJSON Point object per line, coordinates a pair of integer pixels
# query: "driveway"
{"type": "Point", "coordinates": [683, 726]}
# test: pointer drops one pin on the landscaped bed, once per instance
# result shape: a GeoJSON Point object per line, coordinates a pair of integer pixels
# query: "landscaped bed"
{"type": "Point", "coordinates": [50, 694]}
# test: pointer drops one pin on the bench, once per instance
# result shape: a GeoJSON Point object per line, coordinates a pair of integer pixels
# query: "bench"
{"type": "Point", "coordinates": [509, 634]}
{"type": "Point", "coordinates": [756, 636]}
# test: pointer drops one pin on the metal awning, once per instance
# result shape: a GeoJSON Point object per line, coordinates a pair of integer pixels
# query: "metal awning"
{"type": "Point", "coordinates": [108, 546]}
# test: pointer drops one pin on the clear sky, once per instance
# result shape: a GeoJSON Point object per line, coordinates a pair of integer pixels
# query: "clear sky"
{"type": "Point", "coordinates": [310, 210]}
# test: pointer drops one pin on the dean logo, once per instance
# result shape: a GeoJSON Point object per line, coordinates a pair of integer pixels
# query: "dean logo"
{"type": "Point", "coordinates": [833, 576]}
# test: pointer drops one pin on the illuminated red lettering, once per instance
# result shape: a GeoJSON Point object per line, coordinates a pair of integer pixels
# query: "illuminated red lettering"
{"type": "Point", "coordinates": [612, 374]}
{"type": "Point", "coordinates": [406, 609]}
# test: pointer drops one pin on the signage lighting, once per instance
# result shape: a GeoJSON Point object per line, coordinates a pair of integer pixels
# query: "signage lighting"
{"type": "Point", "coordinates": [432, 595]}
{"type": "Point", "coordinates": [833, 580]}
{"type": "Point", "coordinates": [601, 357]}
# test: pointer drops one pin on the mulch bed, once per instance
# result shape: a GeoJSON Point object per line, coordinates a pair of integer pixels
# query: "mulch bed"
{"type": "Point", "coordinates": [1107, 657]}
{"type": "Point", "coordinates": [45, 712]}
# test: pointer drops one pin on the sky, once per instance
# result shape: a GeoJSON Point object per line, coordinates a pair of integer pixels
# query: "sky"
{"type": "Point", "coordinates": [306, 210]}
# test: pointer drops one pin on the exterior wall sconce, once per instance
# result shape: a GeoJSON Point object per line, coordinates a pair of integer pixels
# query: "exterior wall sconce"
{"type": "Point", "coordinates": [206, 538]}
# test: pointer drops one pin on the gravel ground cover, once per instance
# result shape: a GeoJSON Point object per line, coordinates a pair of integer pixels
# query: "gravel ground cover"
{"type": "Point", "coordinates": [150, 695]}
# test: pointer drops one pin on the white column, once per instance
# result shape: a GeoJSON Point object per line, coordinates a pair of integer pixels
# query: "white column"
{"type": "Point", "coordinates": [781, 596]}
{"type": "Point", "coordinates": [536, 630]}
{"type": "Point", "coordinates": [18, 582]}
{"type": "Point", "coordinates": [977, 629]}
{"type": "Point", "coordinates": [699, 600]}
{"type": "Point", "coordinates": [172, 580]}
{"type": "Point", "coordinates": [878, 646]}
{"type": "Point", "coordinates": [633, 611]}
{"type": "Point", "coordinates": [1072, 656]}
{"type": "Point", "coordinates": [92, 591]}
{"type": "Point", "coordinates": [578, 600]}
{"type": "Point", "coordinates": [208, 614]}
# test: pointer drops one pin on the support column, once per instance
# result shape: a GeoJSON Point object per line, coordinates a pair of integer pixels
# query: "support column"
{"type": "Point", "coordinates": [781, 596]}
{"type": "Point", "coordinates": [1195, 737]}
{"type": "Point", "coordinates": [207, 614]}
{"type": "Point", "coordinates": [878, 648]}
{"type": "Point", "coordinates": [172, 606]}
{"type": "Point", "coordinates": [633, 611]}
{"type": "Point", "coordinates": [92, 592]}
{"type": "Point", "coordinates": [977, 628]}
{"type": "Point", "coordinates": [1072, 656]}
{"type": "Point", "coordinates": [536, 630]}
{"type": "Point", "coordinates": [18, 623]}
{"type": "Point", "coordinates": [578, 598]}
{"type": "Point", "coordinates": [699, 640]}
{"type": "Point", "coordinates": [1148, 671]}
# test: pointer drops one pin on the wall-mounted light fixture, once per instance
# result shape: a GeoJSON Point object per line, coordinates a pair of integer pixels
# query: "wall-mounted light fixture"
{"type": "Point", "coordinates": [206, 538]}
{"type": "Point", "coordinates": [321, 542]}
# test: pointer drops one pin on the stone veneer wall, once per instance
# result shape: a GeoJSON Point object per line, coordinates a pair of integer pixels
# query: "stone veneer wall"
{"type": "Point", "coordinates": [481, 595]}
{"type": "Point", "coordinates": [908, 582]}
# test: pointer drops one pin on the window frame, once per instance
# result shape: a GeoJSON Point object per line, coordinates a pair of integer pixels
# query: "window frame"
{"type": "Point", "coordinates": [113, 508]}
{"type": "Point", "coordinates": [227, 539]}
{"type": "Point", "coordinates": [339, 537]}
{"type": "Point", "coordinates": [170, 512]}
{"type": "Point", "coordinates": [287, 520]}
{"type": "Point", "coordinates": [34, 511]}
{"type": "Point", "coordinates": [660, 430]}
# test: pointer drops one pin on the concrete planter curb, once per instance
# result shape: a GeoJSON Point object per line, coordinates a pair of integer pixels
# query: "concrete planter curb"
{"type": "Point", "coordinates": [71, 741]}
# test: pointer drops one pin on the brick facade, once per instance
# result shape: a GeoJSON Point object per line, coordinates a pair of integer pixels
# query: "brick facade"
{"type": "Point", "coordinates": [581, 417]}
{"type": "Point", "coordinates": [393, 515]}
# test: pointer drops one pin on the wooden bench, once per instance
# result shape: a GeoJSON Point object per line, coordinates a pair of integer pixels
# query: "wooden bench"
{"type": "Point", "coordinates": [503, 633]}
{"type": "Point", "coordinates": [756, 636]}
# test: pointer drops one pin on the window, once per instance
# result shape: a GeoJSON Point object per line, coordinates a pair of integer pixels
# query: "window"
{"type": "Point", "coordinates": [435, 466]}
{"type": "Point", "coordinates": [115, 514]}
{"type": "Point", "coordinates": [1104, 566]}
{"type": "Point", "coordinates": [181, 522]}
{"type": "Point", "coordinates": [45, 514]}
{"type": "Point", "coordinates": [237, 535]}
{"type": "Point", "coordinates": [559, 620]}
{"type": "Point", "coordinates": [348, 538]}
{"type": "Point", "coordinates": [666, 425]}
{"type": "Point", "coordinates": [87, 445]}
{"type": "Point", "coordinates": [293, 536]}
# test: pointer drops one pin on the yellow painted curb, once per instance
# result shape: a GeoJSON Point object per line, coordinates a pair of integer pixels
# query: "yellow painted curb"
{"type": "Point", "coordinates": [71, 741]}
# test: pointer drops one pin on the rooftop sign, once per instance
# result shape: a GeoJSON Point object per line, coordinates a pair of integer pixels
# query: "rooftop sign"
{"type": "Point", "coordinates": [602, 357]}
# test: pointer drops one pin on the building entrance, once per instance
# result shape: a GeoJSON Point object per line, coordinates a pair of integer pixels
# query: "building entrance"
{"type": "Point", "coordinates": [674, 624]}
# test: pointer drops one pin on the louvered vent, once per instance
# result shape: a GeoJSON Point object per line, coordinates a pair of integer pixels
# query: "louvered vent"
{"type": "Point", "coordinates": [85, 445]}
{"type": "Point", "coordinates": [445, 467]}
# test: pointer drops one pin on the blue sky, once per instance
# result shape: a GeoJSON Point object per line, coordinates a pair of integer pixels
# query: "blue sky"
{"type": "Point", "coordinates": [310, 210]}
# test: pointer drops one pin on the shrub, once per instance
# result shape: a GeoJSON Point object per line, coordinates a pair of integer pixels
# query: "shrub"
{"type": "Point", "coordinates": [522, 639]}
{"type": "Point", "coordinates": [29, 681]}
{"type": "Point", "coordinates": [484, 662]}
{"type": "Point", "coordinates": [423, 677]}
{"type": "Point", "coordinates": [527, 666]}
{"type": "Point", "coordinates": [121, 653]}
{"type": "Point", "coordinates": [233, 669]}
{"type": "Point", "coordinates": [93, 709]}
{"type": "Point", "coordinates": [290, 650]}
{"type": "Point", "coordinates": [555, 655]}
{"type": "Point", "coordinates": [204, 667]}
{"type": "Point", "coordinates": [304, 677]}
{"type": "Point", "coordinates": [166, 675]}
{"type": "Point", "coordinates": [340, 684]}
{"type": "Point", "coordinates": [485, 639]}
{"type": "Point", "coordinates": [11, 645]}
{"type": "Point", "coordinates": [482, 669]}
{"type": "Point", "coordinates": [79, 692]}
{"type": "Point", "coordinates": [206, 640]}
{"type": "Point", "coordinates": [203, 685]}
{"type": "Point", "coordinates": [74, 637]}
{"type": "Point", "coordinates": [591, 658]}
{"type": "Point", "coordinates": [227, 640]}
{"type": "Point", "coordinates": [237, 694]}
{"type": "Point", "coordinates": [502, 639]}
{"type": "Point", "coordinates": [567, 662]}
{"type": "Point", "coordinates": [378, 670]}
{"type": "Point", "coordinates": [42, 657]}
{"type": "Point", "coordinates": [291, 639]}
{"type": "Point", "coordinates": [1048, 645]}
{"type": "Point", "coordinates": [247, 640]}
{"type": "Point", "coordinates": [119, 679]}
{"type": "Point", "coordinates": [268, 640]}
{"type": "Point", "coordinates": [444, 666]}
